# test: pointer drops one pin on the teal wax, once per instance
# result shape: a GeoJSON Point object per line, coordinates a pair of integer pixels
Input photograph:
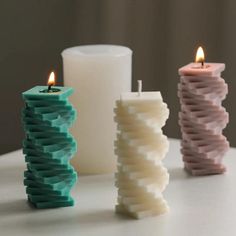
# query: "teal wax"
{"type": "Point", "coordinates": [48, 146]}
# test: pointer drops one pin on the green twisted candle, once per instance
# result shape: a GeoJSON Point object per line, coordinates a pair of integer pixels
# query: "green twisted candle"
{"type": "Point", "coordinates": [48, 146]}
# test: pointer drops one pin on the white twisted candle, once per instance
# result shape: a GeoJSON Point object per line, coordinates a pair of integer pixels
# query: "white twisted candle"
{"type": "Point", "coordinates": [140, 146]}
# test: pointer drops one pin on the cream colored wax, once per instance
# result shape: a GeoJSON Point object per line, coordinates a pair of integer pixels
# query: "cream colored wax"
{"type": "Point", "coordinates": [140, 147]}
{"type": "Point", "coordinates": [98, 74]}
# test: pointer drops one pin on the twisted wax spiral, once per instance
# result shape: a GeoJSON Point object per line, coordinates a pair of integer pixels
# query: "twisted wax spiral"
{"type": "Point", "coordinates": [48, 148]}
{"type": "Point", "coordinates": [202, 119]}
{"type": "Point", "coordinates": [140, 147]}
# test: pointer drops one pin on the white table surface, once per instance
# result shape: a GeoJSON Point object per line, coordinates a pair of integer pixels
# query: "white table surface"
{"type": "Point", "coordinates": [199, 205]}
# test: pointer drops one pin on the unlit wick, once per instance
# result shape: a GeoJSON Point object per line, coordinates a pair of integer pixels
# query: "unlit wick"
{"type": "Point", "coordinates": [139, 88]}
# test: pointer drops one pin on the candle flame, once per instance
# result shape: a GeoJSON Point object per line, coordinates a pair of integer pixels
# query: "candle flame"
{"type": "Point", "coordinates": [200, 57]}
{"type": "Point", "coordinates": [51, 79]}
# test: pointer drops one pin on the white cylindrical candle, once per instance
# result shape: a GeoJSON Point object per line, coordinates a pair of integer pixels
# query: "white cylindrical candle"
{"type": "Point", "coordinates": [140, 146]}
{"type": "Point", "coordinates": [99, 74]}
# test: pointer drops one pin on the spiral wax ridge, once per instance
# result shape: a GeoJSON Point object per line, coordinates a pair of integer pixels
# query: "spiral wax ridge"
{"type": "Point", "coordinates": [48, 148]}
{"type": "Point", "coordinates": [202, 119]}
{"type": "Point", "coordinates": [140, 147]}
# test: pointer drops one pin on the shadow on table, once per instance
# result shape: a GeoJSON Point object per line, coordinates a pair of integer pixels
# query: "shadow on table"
{"type": "Point", "coordinates": [103, 216]}
{"type": "Point", "coordinates": [11, 175]}
{"type": "Point", "coordinates": [15, 207]}
{"type": "Point", "coordinates": [99, 217]}
{"type": "Point", "coordinates": [30, 217]}
{"type": "Point", "coordinates": [46, 222]}
{"type": "Point", "coordinates": [178, 173]}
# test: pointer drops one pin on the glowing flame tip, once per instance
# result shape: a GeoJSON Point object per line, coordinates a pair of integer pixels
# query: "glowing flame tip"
{"type": "Point", "coordinates": [200, 57]}
{"type": "Point", "coordinates": [51, 79]}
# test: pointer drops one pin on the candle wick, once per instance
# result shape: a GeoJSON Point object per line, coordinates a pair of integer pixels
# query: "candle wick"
{"type": "Point", "coordinates": [202, 62]}
{"type": "Point", "coordinates": [139, 87]}
{"type": "Point", "coordinates": [49, 87]}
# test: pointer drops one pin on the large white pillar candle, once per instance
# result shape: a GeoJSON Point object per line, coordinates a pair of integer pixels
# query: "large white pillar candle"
{"type": "Point", "coordinates": [98, 74]}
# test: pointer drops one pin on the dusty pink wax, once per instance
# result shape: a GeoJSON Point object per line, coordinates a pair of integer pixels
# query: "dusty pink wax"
{"type": "Point", "coordinates": [202, 118]}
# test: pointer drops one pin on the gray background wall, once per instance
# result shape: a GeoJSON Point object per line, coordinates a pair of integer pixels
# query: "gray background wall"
{"type": "Point", "coordinates": [163, 35]}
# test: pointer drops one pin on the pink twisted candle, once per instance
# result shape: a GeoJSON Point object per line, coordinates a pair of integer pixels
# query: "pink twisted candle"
{"type": "Point", "coordinates": [202, 118]}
